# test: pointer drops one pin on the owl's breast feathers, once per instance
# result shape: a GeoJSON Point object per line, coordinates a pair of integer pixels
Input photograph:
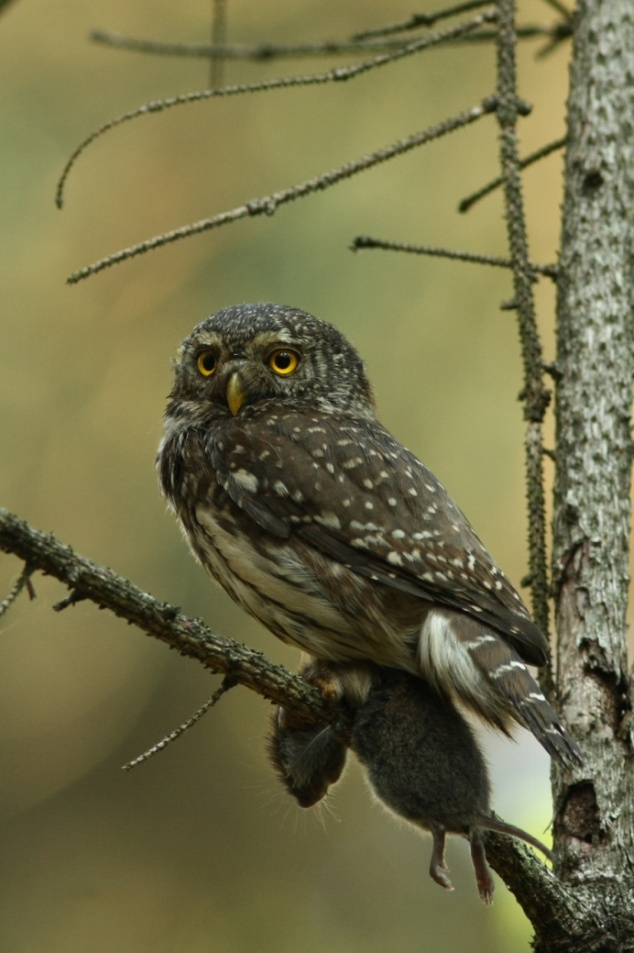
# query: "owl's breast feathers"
{"type": "Point", "coordinates": [340, 541]}
{"type": "Point", "coordinates": [348, 489]}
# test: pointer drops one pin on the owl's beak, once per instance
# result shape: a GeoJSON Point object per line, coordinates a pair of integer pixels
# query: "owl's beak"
{"type": "Point", "coordinates": [235, 393]}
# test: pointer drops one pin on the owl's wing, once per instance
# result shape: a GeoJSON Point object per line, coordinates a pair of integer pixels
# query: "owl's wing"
{"type": "Point", "coordinates": [350, 490]}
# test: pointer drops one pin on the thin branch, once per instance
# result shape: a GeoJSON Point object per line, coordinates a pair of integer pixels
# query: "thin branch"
{"type": "Point", "coordinates": [420, 20]}
{"type": "Point", "coordinates": [339, 74]}
{"type": "Point", "coordinates": [535, 395]}
{"type": "Point", "coordinates": [268, 204]}
{"type": "Point", "coordinates": [363, 242]}
{"type": "Point", "coordinates": [226, 685]}
{"type": "Point", "coordinates": [555, 34]}
{"type": "Point", "coordinates": [541, 153]}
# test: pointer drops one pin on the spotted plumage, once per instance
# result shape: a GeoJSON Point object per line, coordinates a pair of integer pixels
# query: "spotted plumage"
{"type": "Point", "coordinates": [319, 523]}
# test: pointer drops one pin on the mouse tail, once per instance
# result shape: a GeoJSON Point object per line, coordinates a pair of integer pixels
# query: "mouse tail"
{"type": "Point", "coordinates": [491, 823]}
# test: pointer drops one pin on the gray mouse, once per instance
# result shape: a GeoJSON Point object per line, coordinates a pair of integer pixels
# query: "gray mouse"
{"type": "Point", "coordinates": [421, 758]}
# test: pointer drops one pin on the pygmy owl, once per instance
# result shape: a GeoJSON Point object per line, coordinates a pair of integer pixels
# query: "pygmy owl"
{"type": "Point", "coordinates": [319, 523]}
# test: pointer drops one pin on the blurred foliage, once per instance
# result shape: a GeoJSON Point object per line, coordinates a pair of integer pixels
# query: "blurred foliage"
{"type": "Point", "coordinates": [199, 850]}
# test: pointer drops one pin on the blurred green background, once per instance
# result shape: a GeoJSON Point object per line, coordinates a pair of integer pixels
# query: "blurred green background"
{"type": "Point", "coordinates": [200, 849]}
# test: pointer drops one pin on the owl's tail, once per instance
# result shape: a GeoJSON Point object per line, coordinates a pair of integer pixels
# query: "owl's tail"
{"type": "Point", "coordinates": [476, 666]}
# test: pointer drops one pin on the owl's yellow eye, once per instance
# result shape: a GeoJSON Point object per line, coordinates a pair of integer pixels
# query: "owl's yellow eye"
{"type": "Point", "coordinates": [283, 361]}
{"type": "Point", "coordinates": [206, 363]}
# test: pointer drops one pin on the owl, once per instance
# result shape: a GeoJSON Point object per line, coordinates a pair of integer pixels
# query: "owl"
{"type": "Point", "coordinates": [325, 528]}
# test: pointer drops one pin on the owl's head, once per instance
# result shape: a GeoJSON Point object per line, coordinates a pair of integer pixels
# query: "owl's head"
{"type": "Point", "coordinates": [250, 356]}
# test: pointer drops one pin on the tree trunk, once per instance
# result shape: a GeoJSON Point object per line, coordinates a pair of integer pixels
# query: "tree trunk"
{"type": "Point", "coordinates": [594, 805]}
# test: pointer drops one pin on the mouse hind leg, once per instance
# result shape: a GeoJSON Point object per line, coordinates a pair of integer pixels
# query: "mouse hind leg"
{"type": "Point", "coordinates": [484, 877]}
{"type": "Point", "coordinates": [438, 869]}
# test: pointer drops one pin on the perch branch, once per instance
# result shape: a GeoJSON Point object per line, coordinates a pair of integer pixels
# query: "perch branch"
{"type": "Point", "coordinates": [533, 884]}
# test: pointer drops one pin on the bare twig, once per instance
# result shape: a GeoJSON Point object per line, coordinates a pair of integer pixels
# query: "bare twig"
{"type": "Point", "coordinates": [340, 74]}
{"type": "Point", "coordinates": [420, 20]}
{"type": "Point", "coordinates": [363, 242]}
{"type": "Point", "coordinates": [268, 204]}
{"type": "Point", "coordinates": [554, 34]}
{"type": "Point", "coordinates": [23, 581]}
{"type": "Point", "coordinates": [226, 684]}
{"type": "Point", "coordinates": [541, 153]}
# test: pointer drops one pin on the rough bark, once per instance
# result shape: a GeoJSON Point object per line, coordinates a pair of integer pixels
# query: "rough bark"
{"type": "Point", "coordinates": [595, 805]}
